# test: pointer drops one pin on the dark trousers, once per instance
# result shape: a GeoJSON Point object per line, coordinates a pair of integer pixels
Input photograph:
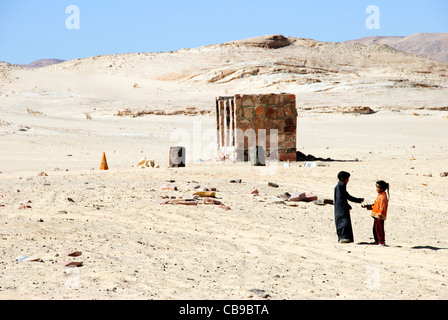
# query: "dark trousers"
{"type": "Point", "coordinates": [378, 231]}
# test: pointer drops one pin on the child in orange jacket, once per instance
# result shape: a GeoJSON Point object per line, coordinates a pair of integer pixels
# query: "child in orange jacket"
{"type": "Point", "coordinates": [379, 212]}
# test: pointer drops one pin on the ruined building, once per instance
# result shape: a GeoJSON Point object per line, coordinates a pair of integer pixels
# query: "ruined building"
{"type": "Point", "coordinates": [257, 120]}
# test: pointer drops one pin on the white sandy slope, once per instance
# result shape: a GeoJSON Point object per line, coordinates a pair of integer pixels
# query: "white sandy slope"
{"type": "Point", "coordinates": [135, 249]}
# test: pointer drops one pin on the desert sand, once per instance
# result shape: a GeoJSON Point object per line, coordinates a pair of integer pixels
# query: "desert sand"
{"type": "Point", "coordinates": [56, 122]}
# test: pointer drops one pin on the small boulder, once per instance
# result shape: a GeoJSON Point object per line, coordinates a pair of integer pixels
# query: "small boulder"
{"type": "Point", "coordinates": [297, 196]}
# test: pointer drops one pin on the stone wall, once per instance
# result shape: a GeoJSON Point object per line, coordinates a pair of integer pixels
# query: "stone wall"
{"type": "Point", "coordinates": [261, 114]}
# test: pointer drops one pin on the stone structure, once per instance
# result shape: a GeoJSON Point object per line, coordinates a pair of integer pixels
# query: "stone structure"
{"type": "Point", "coordinates": [266, 120]}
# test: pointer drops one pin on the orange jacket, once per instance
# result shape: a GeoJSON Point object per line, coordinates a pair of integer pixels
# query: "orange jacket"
{"type": "Point", "coordinates": [379, 209]}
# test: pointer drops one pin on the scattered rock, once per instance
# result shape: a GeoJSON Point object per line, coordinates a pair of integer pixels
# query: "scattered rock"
{"type": "Point", "coordinates": [358, 110]}
{"type": "Point", "coordinates": [291, 204]}
{"type": "Point", "coordinates": [309, 197]}
{"type": "Point", "coordinates": [444, 174]}
{"type": "Point", "coordinates": [209, 194]}
{"type": "Point", "coordinates": [286, 195]}
{"type": "Point", "coordinates": [74, 264]}
{"type": "Point", "coordinates": [42, 174]}
{"type": "Point", "coordinates": [261, 293]}
{"type": "Point", "coordinates": [255, 192]}
{"type": "Point", "coordinates": [269, 41]}
{"type": "Point", "coordinates": [75, 254]}
{"type": "Point", "coordinates": [25, 258]}
{"type": "Point", "coordinates": [212, 201]}
{"type": "Point", "coordinates": [235, 181]}
{"type": "Point", "coordinates": [169, 188]}
{"type": "Point", "coordinates": [273, 185]}
{"type": "Point", "coordinates": [322, 202]}
{"type": "Point", "coordinates": [187, 202]}
{"type": "Point", "coordinates": [297, 196]}
{"type": "Point", "coordinates": [32, 259]}
{"type": "Point", "coordinates": [147, 163]}
{"type": "Point", "coordinates": [427, 175]}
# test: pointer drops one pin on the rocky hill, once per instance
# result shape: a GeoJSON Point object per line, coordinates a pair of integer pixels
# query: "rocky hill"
{"type": "Point", "coordinates": [428, 45]}
{"type": "Point", "coordinates": [321, 74]}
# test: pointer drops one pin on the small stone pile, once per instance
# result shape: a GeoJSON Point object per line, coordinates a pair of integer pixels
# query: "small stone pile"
{"type": "Point", "coordinates": [146, 163]}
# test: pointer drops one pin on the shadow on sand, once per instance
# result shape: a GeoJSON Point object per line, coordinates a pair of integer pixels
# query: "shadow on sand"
{"type": "Point", "coordinates": [428, 247]}
{"type": "Point", "coordinates": [414, 247]}
{"type": "Point", "coordinates": [302, 157]}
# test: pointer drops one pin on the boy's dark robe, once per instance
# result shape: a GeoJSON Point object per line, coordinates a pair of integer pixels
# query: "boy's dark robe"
{"type": "Point", "coordinates": [342, 211]}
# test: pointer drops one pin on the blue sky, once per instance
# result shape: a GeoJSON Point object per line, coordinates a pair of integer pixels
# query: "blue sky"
{"type": "Point", "coordinates": [36, 29]}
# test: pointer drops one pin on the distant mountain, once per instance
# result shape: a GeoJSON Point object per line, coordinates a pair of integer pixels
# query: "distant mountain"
{"type": "Point", "coordinates": [428, 45]}
{"type": "Point", "coordinates": [43, 63]}
{"type": "Point", "coordinates": [321, 74]}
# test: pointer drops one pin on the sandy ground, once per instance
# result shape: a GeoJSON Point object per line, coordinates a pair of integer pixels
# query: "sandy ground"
{"type": "Point", "coordinates": [133, 248]}
{"type": "Point", "coordinates": [56, 122]}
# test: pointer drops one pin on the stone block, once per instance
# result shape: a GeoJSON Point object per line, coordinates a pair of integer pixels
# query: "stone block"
{"type": "Point", "coordinates": [287, 156]}
{"type": "Point", "coordinates": [297, 196]}
{"type": "Point", "coordinates": [281, 112]}
{"type": "Point", "coordinates": [260, 111]}
{"type": "Point", "coordinates": [270, 113]}
{"type": "Point", "coordinates": [247, 102]}
{"type": "Point", "coordinates": [288, 111]}
{"type": "Point", "coordinates": [290, 122]}
{"type": "Point", "coordinates": [290, 129]}
{"type": "Point", "coordinates": [248, 113]}
{"type": "Point", "coordinates": [208, 194]}
{"type": "Point", "coordinates": [281, 138]}
{"type": "Point", "coordinates": [309, 197]}
{"type": "Point", "coordinates": [259, 123]}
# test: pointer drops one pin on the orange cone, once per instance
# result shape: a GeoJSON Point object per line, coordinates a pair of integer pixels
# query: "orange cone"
{"type": "Point", "coordinates": [104, 163]}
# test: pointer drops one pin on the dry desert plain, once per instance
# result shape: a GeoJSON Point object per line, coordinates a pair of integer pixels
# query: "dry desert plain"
{"type": "Point", "coordinates": [57, 121]}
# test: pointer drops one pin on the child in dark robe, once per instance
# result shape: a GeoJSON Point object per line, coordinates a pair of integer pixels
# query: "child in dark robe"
{"type": "Point", "coordinates": [342, 208]}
